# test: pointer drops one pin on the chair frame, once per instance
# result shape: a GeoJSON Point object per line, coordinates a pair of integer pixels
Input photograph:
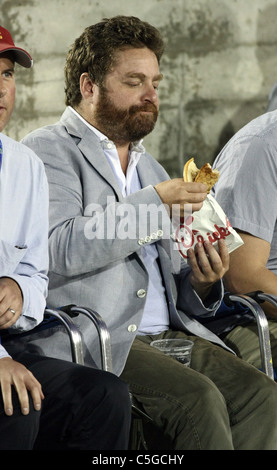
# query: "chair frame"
{"type": "Point", "coordinates": [252, 300]}
{"type": "Point", "coordinates": [65, 315]}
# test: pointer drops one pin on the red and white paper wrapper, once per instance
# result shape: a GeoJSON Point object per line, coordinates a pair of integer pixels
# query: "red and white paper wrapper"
{"type": "Point", "coordinates": [210, 223]}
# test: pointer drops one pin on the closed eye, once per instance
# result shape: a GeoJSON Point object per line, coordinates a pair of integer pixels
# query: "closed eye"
{"type": "Point", "coordinates": [134, 84]}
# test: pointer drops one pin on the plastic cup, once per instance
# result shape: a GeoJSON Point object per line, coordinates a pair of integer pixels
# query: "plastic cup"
{"type": "Point", "coordinates": [177, 348]}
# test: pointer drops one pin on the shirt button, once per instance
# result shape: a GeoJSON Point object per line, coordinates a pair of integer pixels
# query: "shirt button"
{"type": "Point", "coordinates": [132, 328]}
{"type": "Point", "coordinates": [160, 233]}
{"type": "Point", "coordinates": [141, 293]}
{"type": "Point", "coordinates": [141, 241]}
{"type": "Point", "coordinates": [147, 239]}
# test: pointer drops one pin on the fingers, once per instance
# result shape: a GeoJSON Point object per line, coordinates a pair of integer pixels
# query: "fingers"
{"type": "Point", "coordinates": [14, 374]}
{"type": "Point", "coordinates": [29, 383]}
{"type": "Point", "coordinates": [176, 191]}
{"type": "Point", "coordinates": [195, 187]}
{"type": "Point", "coordinates": [9, 317]}
{"type": "Point", "coordinates": [224, 254]}
{"type": "Point", "coordinates": [208, 265]}
{"type": "Point", "coordinates": [7, 398]}
{"type": "Point", "coordinates": [10, 302]}
{"type": "Point", "coordinates": [210, 260]}
{"type": "Point", "coordinates": [34, 387]}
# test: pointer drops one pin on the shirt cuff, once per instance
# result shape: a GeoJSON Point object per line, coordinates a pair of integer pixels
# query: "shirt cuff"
{"type": "Point", "coordinates": [3, 352]}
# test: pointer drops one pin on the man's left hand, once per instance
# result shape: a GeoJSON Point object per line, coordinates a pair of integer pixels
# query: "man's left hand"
{"type": "Point", "coordinates": [208, 266]}
{"type": "Point", "coordinates": [11, 302]}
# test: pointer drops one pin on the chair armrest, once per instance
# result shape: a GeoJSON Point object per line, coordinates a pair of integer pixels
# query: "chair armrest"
{"type": "Point", "coordinates": [262, 323]}
{"type": "Point", "coordinates": [106, 354]}
{"type": "Point", "coordinates": [262, 297]}
{"type": "Point", "coordinates": [73, 332]}
{"type": "Point", "coordinates": [102, 330]}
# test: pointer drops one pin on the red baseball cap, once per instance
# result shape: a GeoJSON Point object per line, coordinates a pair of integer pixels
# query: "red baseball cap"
{"type": "Point", "coordinates": [6, 44]}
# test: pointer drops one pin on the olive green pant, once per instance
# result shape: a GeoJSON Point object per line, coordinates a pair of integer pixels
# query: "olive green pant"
{"type": "Point", "coordinates": [220, 402]}
{"type": "Point", "coordinates": [244, 340]}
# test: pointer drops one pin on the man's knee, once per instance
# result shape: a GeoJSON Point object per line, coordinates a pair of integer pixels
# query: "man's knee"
{"type": "Point", "coordinates": [97, 386]}
{"type": "Point", "coordinates": [116, 392]}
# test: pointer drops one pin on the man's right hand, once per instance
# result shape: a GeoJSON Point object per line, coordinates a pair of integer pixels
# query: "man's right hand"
{"type": "Point", "coordinates": [13, 373]}
{"type": "Point", "coordinates": [176, 191]}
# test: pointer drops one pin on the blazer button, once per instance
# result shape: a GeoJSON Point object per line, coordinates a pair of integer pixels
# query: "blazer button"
{"type": "Point", "coordinates": [141, 293]}
{"type": "Point", "coordinates": [132, 328]}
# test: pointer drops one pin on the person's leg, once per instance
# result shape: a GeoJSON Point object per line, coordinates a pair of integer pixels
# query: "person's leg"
{"type": "Point", "coordinates": [18, 432]}
{"type": "Point", "coordinates": [251, 396]}
{"type": "Point", "coordinates": [180, 401]}
{"type": "Point", "coordinates": [244, 340]}
{"type": "Point", "coordinates": [83, 409]}
{"type": "Point", "coordinates": [220, 402]}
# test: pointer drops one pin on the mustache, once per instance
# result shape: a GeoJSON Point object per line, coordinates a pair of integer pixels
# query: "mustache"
{"type": "Point", "coordinates": [147, 107]}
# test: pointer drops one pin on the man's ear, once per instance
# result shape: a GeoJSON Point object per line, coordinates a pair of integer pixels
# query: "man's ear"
{"type": "Point", "coordinates": [87, 86]}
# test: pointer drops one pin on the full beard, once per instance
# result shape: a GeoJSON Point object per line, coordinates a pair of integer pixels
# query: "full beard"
{"type": "Point", "coordinates": [124, 125]}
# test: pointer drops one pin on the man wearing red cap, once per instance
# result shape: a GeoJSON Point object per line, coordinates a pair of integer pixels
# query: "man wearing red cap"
{"type": "Point", "coordinates": [56, 418]}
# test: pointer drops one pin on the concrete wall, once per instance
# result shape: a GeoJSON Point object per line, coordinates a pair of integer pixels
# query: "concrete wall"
{"type": "Point", "coordinates": [220, 65]}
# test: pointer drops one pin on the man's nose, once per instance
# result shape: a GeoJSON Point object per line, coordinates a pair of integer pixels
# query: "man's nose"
{"type": "Point", "coordinates": [151, 94]}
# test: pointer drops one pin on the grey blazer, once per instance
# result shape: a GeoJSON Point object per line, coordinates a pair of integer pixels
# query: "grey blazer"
{"type": "Point", "coordinates": [107, 275]}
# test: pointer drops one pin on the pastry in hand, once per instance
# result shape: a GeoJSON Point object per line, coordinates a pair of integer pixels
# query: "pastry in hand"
{"type": "Point", "coordinates": [203, 175]}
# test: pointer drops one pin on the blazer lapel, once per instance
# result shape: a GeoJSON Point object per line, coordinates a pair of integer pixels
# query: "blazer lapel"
{"type": "Point", "coordinates": [89, 145]}
{"type": "Point", "coordinates": [146, 174]}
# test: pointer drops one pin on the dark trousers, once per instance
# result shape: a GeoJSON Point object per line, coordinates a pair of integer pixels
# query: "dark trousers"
{"type": "Point", "coordinates": [83, 409]}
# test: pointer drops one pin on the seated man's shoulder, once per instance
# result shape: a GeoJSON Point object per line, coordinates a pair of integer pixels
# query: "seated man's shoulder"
{"type": "Point", "coordinates": [22, 162]}
{"type": "Point", "coordinates": [16, 150]}
{"type": "Point", "coordinates": [261, 126]}
{"type": "Point", "coordinates": [43, 133]}
{"type": "Point", "coordinates": [47, 139]}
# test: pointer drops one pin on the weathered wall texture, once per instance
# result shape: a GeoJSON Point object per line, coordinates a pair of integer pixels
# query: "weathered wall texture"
{"type": "Point", "coordinates": [219, 66]}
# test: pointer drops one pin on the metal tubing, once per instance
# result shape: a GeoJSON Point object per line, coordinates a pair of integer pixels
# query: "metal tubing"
{"type": "Point", "coordinates": [103, 333]}
{"type": "Point", "coordinates": [73, 332]}
{"type": "Point", "coordinates": [263, 330]}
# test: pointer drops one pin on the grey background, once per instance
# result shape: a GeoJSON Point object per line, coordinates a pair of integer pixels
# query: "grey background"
{"type": "Point", "coordinates": [219, 66]}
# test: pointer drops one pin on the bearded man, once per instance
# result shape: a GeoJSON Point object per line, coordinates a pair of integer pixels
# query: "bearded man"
{"type": "Point", "coordinates": [99, 171]}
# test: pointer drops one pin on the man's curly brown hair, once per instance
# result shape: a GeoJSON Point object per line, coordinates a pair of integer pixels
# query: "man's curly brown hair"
{"type": "Point", "coordinates": [94, 52]}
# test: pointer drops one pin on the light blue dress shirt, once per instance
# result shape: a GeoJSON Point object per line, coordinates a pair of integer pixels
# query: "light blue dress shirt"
{"type": "Point", "coordinates": [24, 229]}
